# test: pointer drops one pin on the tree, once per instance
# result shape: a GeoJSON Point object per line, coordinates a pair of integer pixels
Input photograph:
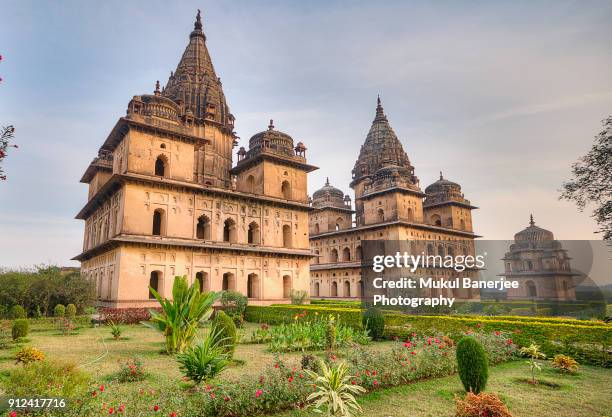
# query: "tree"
{"type": "Point", "coordinates": [592, 181]}
{"type": "Point", "coordinates": [6, 134]}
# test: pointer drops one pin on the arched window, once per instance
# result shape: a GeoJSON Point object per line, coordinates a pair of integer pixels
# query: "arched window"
{"type": "Point", "coordinates": [361, 288]}
{"type": "Point", "coordinates": [358, 254]}
{"type": "Point", "coordinates": [316, 258]}
{"type": "Point", "coordinates": [334, 289]}
{"type": "Point", "coordinates": [462, 224]}
{"type": "Point", "coordinates": [450, 251]}
{"type": "Point", "coordinates": [253, 233]}
{"type": "Point", "coordinates": [203, 282]}
{"type": "Point", "coordinates": [339, 223]}
{"type": "Point", "coordinates": [159, 222]}
{"type": "Point", "coordinates": [286, 190]}
{"type": "Point", "coordinates": [203, 228]}
{"type": "Point", "coordinates": [286, 286]}
{"type": "Point", "coordinates": [286, 236]}
{"type": "Point", "coordinates": [381, 215]}
{"type": "Point", "coordinates": [250, 184]}
{"type": "Point", "coordinates": [253, 286]}
{"type": "Point", "coordinates": [531, 289]}
{"type": "Point", "coordinates": [436, 220]}
{"type": "Point", "coordinates": [346, 254]}
{"type": "Point", "coordinates": [347, 289]}
{"type": "Point", "coordinates": [316, 228]}
{"type": "Point", "coordinates": [410, 214]}
{"type": "Point", "coordinates": [160, 166]}
{"type": "Point", "coordinates": [441, 250]}
{"type": "Point", "coordinates": [229, 231]}
{"type": "Point", "coordinates": [154, 282]}
{"type": "Point", "coordinates": [430, 250]}
{"type": "Point", "coordinates": [316, 289]}
{"type": "Point", "coordinates": [229, 282]}
{"type": "Point", "coordinates": [333, 255]}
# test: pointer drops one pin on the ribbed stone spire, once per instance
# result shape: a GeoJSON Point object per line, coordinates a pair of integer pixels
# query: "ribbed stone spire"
{"type": "Point", "coordinates": [381, 148]}
{"type": "Point", "coordinates": [195, 83]}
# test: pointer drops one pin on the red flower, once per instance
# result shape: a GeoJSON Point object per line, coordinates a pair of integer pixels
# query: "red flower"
{"type": "Point", "coordinates": [374, 373]}
{"type": "Point", "coordinates": [276, 365]}
{"type": "Point", "coordinates": [497, 332]}
{"type": "Point", "coordinates": [156, 407]}
{"type": "Point", "coordinates": [353, 382]}
{"type": "Point", "coordinates": [437, 341]}
{"type": "Point", "coordinates": [12, 413]}
{"type": "Point", "coordinates": [429, 340]}
{"type": "Point", "coordinates": [413, 352]}
{"type": "Point", "coordinates": [290, 379]}
{"type": "Point", "coordinates": [101, 388]}
{"type": "Point", "coordinates": [173, 414]}
{"type": "Point", "coordinates": [375, 382]}
{"type": "Point", "coordinates": [407, 344]}
{"type": "Point", "coordinates": [258, 393]}
{"type": "Point", "coordinates": [212, 395]}
{"type": "Point", "coordinates": [509, 342]}
{"type": "Point", "coordinates": [367, 372]}
{"type": "Point", "coordinates": [301, 375]}
{"type": "Point", "coordinates": [226, 398]}
{"type": "Point", "coordinates": [111, 410]}
{"type": "Point", "coordinates": [93, 394]}
{"type": "Point", "coordinates": [479, 325]}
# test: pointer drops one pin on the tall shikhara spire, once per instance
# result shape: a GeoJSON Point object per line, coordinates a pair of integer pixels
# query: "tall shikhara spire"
{"type": "Point", "coordinates": [195, 84]}
{"type": "Point", "coordinates": [381, 148]}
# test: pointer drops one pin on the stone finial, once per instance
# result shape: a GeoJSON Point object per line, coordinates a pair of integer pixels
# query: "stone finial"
{"type": "Point", "coordinates": [441, 177]}
{"type": "Point", "coordinates": [157, 92]}
{"type": "Point", "coordinates": [327, 181]}
{"type": "Point", "coordinates": [531, 221]}
{"type": "Point", "coordinates": [271, 125]}
{"type": "Point", "coordinates": [198, 23]}
{"type": "Point", "coordinates": [380, 114]}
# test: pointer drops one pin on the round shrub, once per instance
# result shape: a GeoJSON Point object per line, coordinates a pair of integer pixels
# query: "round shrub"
{"type": "Point", "coordinates": [18, 312]}
{"type": "Point", "coordinates": [227, 332]}
{"type": "Point", "coordinates": [71, 311]}
{"type": "Point", "coordinates": [374, 321]}
{"type": "Point", "coordinates": [20, 328]}
{"type": "Point", "coordinates": [472, 364]}
{"type": "Point", "coordinates": [29, 354]}
{"type": "Point", "coordinates": [59, 310]}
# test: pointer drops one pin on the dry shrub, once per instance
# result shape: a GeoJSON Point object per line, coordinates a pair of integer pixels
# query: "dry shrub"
{"type": "Point", "coordinates": [481, 405]}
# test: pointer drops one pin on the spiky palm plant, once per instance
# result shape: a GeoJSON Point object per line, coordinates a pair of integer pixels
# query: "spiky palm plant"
{"type": "Point", "coordinates": [207, 359]}
{"type": "Point", "coordinates": [181, 316]}
{"type": "Point", "coordinates": [334, 394]}
{"type": "Point", "coordinates": [533, 353]}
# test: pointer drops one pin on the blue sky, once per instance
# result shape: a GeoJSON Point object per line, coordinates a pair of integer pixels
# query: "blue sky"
{"type": "Point", "coordinates": [500, 96]}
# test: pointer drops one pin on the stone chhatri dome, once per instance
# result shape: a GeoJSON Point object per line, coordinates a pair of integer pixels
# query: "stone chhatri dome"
{"type": "Point", "coordinates": [533, 233]}
{"type": "Point", "coordinates": [328, 190]}
{"type": "Point", "coordinates": [195, 84]}
{"type": "Point", "coordinates": [443, 186]}
{"type": "Point", "coordinates": [381, 150]}
{"type": "Point", "coordinates": [274, 140]}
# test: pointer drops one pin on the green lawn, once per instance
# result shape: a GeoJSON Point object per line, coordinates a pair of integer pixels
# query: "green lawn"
{"type": "Point", "coordinates": [587, 394]}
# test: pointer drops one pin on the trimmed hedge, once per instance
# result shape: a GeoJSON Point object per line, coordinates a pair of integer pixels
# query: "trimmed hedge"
{"type": "Point", "coordinates": [126, 315]}
{"type": "Point", "coordinates": [20, 329]}
{"type": "Point", "coordinates": [586, 341]}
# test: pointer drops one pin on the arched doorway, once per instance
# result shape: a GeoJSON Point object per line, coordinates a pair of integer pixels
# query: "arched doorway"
{"type": "Point", "coordinates": [253, 234]}
{"type": "Point", "coordinates": [160, 166]}
{"type": "Point", "coordinates": [155, 282]}
{"type": "Point", "coordinates": [531, 289]}
{"type": "Point", "coordinates": [229, 282]}
{"type": "Point", "coordinates": [287, 286]}
{"type": "Point", "coordinates": [159, 225]}
{"type": "Point", "coordinates": [203, 228]}
{"type": "Point", "coordinates": [286, 190]}
{"type": "Point", "coordinates": [253, 286]}
{"type": "Point", "coordinates": [346, 255]}
{"type": "Point", "coordinates": [333, 255]}
{"type": "Point", "coordinates": [347, 289]}
{"type": "Point", "coordinates": [316, 289]}
{"type": "Point", "coordinates": [229, 231]}
{"type": "Point", "coordinates": [286, 236]}
{"type": "Point", "coordinates": [203, 282]}
{"type": "Point", "coordinates": [334, 289]}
